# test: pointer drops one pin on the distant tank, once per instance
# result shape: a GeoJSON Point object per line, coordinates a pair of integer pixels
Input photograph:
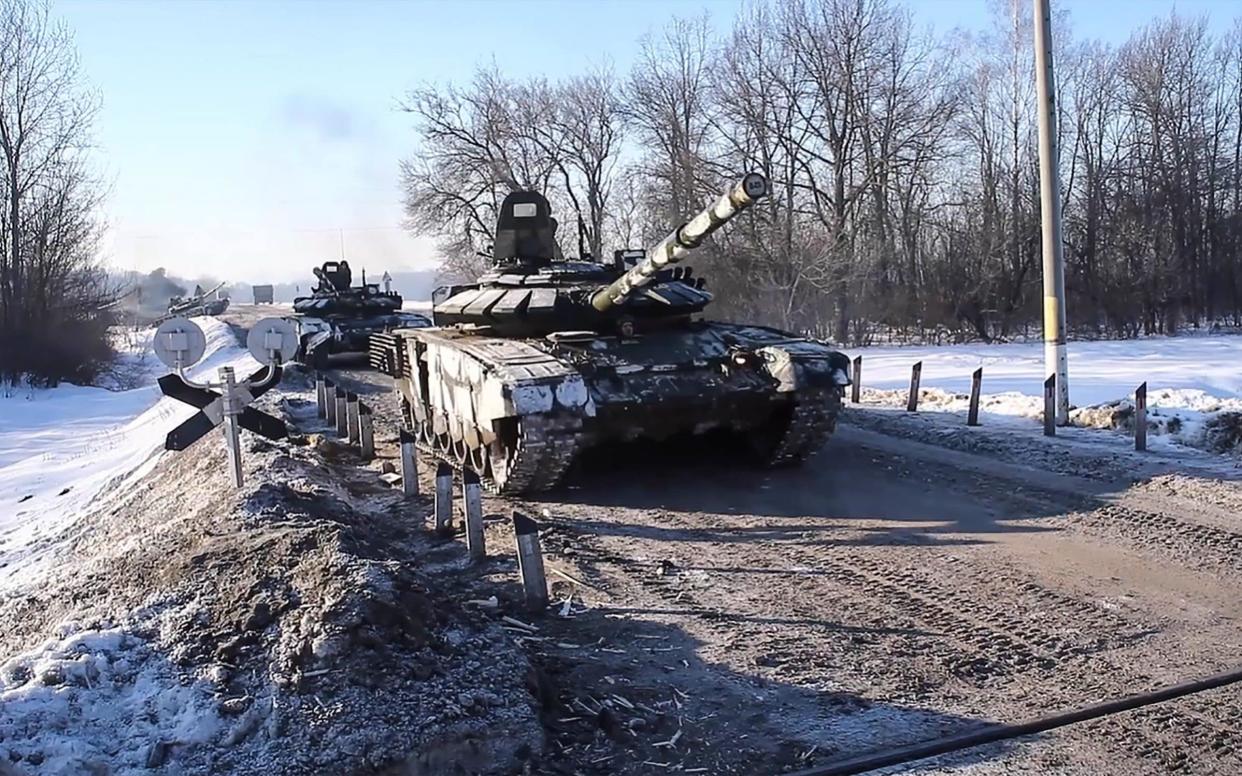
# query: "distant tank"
{"type": "Point", "coordinates": [542, 357]}
{"type": "Point", "coordinates": [199, 303]}
{"type": "Point", "coordinates": [339, 318]}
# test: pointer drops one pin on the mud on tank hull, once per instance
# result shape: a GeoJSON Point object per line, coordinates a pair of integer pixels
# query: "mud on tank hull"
{"type": "Point", "coordinates": [520, 410]}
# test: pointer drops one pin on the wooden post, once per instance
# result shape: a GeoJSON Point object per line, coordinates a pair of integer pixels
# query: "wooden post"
{"type": "Point", "coordinates": [321, 389]}
{"type": "Point", "coordinates": [1050, 406]}
{"type": "Point", "coordinates": [856, 388]}
{"type": "Point", "coordinates": [366, 432]}
{"type": "Point", "coordinates": [342, 415]}
{"type": "Point", "coordinates": [444, 499]}
{"type": "Point", "coordinates": [916, 372]}
{"type": "Point", "coordinates": [1140, 418]}
{"type": "Point", "coordinates": [976, 384]}
{"type": "Point", "coordinates": [351, 418]}
{"type": "Point", "coordinates": [329, 402]}
{"type": "Point", "coordinates": [472, 508]}
{"type": "Point", "coordinates": [409, 464]}
{"type": "Point", "coordinates": [530, 561]}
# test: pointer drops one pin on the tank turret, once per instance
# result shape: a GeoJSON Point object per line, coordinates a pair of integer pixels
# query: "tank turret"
{"type": "Point", "coordinates": [681, 241]}
{"type": "Point", "coordinates": [533, 290]}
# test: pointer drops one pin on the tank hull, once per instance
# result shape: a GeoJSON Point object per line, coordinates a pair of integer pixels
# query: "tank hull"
{"type": "Point", "coordinates": [520, 410]}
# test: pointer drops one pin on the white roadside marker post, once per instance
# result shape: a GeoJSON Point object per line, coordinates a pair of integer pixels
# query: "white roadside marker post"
{"type": "Point", "coordinates": [351, 418]}
{"type": "Point", "coordinates": [856, 389]}
{"type": "Point", "coordinates": [409, 464]}
{"type": "Point", "coordinates": [472, 507]}
{"type": "Point", "coordinates": [1140, 418]}
{"type": "Point", "coordinates": [530, 561]}
{"type": "Point", "coordinates": [342, 414]}
{"type": "Point", "coordinates": [976, 384]}
{"type": "Point", "coordinates": [916, 373]}
{"type": "Point", "coordinates": [444, 499]}
{"type": "Point", "coordinates": [320, 394]}
{"type": "Point", "coordinates": [366, 432]}
{"type": "Point", "coordinates": [232, 433]}
{"type": "Point", "coordinates": [329, 402]}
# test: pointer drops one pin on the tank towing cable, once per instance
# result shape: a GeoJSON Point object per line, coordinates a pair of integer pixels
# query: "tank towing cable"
{"type": "Point", "coordinates": [872, 761]}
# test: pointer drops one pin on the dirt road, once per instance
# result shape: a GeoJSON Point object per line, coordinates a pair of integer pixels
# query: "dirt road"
{"type": "Point", "coordinates": [890, 591]}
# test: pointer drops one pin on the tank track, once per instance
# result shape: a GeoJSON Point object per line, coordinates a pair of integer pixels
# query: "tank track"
{"type": "Point", "coordinates": [544, 450]}
{"type": "Point", "coordinates": [811, 423]}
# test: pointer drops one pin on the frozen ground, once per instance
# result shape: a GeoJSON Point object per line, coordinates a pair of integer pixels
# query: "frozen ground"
{"type": "Point", "coordinates": [1194, 383]}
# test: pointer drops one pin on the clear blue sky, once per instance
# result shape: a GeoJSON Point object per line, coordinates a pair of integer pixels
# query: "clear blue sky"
{"type": "Point", "coordinates": [239, 137]}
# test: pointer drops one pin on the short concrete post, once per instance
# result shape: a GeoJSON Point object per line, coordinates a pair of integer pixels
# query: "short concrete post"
{"type": "Point", "coordinates": [342, 414]}
{"type": "Point", "coordinates": [321, 408]}
{"type": "Point", "coordinates": [472, 508]}
{"type": "Point", "coordinates": [232, 431]}
{"type": "Point", "coordinates": [1050, 406]}
{"type": "Point", "coordinates": [444, 499]}
{"type": "Point", "coordinates": [916, 373]}
{"type": "Point", "coordinates": [856, 388]}
{"type": "Point", "coordinates": [1140, 418]}
{"type": "Point", "coordinates": [530, 561]}
{"type": "Point", "coordinates": [351, 417]}
{"type": "Point", "coordinates": [366, 432]}
{"type": "Point", "coordinates": [409, 465]}
{"type": "Point", "coordinates": [329, 401]}
{"type": "Point", "coordinates": [976, 384]}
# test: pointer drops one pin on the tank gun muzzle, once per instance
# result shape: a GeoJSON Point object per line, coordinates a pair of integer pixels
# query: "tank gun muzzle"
{"type": "Point", "coordinates": [682, 240]}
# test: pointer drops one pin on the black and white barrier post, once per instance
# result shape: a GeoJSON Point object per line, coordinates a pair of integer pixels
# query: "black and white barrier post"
{"type": "Point", "coordinates": [342, 414]}
{"type": "Point", "coordinates": [1140, 418]}
{"type": "Point", "coordinates": [976, 385]}
{"type": "Point", "coordinates": [916, 372]}
{"type": "Point", "coordinates": [444, 499]}
{"type": "Point", "coordinates": [351, 417]}
{"type": "Point", "coordinates": [856, 388]}
{"type": "Point", "coordinates": [1050, 406]}
{"type": "Point", "coordinates": [232, 433]}
{"type": "Point", "coordinates": [366, 432]}
{"type": "Point", "coordinates": [320, 394]}
{"type": "Point", "coordinates": [409, 465]}
{"type": "Point", "coordinates": [329, 402]}
{"type": "Point", "coordinates": [472, 508]}
{"type": "Point", "coordinates": [530, 561]}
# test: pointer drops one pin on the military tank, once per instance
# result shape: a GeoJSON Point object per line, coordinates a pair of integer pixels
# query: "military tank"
{"type": "Point", "coordinates": [339, 317]}
{"type": "Point", "coordinates": [199, 303]}
{"type": "Point", "coordinates": [543, 357]}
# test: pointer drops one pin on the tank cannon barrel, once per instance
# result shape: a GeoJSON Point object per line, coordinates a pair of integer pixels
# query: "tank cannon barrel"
{"type": "Point", "coordinates": [682, 240]}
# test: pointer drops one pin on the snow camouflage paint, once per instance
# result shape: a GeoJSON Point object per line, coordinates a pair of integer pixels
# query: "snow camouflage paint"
{"type": "Point", "coordinates": [543, 357]}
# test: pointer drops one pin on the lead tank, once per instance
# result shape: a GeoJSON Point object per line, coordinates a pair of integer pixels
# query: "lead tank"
{"type": "Point", "coordinates": [543, 357]}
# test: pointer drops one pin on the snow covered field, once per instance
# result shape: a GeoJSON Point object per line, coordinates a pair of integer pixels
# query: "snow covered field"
{"type": "Point", "coordinates": [67, 451]}
{"type": "Point", "coordinates": [1193, 382]}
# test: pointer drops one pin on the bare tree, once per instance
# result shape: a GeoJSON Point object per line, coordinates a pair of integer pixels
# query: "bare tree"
{"type": "Point", "coordinates": [51, 289]}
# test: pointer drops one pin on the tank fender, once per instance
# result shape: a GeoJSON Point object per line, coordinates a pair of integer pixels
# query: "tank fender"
{"type": "Point", "coordinates": [795, 366]}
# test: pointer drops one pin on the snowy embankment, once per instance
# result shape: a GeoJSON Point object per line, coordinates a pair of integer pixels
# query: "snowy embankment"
{"type": "Point", "coordinates": [68, 451]}
{"type": "Point", "coordinates": [93, 690]}
{"type": "Point", "coordinates": [1194, 384]}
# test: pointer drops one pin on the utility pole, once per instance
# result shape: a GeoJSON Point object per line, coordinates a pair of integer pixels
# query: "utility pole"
{"type": "Point", "coordinates": [1055, 359]}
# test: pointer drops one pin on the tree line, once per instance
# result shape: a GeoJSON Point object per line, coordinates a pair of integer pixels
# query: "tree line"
{"type": "Point", "coordinates": [903, 164]}
{"type": "Point", "coordinates": [53, 292]}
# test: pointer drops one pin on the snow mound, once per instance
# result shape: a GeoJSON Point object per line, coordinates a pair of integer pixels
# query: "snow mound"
{"type": "Point", "coordinates": [97, 696]}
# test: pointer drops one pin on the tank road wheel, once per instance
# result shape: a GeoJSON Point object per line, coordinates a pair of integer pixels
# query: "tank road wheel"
{"type": "Point", "coordinates": [502, 454]}
{"type": "Point", "coordinates": [476, 459]}
{"type": "Point", "coordinates": [797, 429]}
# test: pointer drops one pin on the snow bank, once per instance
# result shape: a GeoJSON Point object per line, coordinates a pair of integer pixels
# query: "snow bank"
{"type": "Point", "coordinates": [100, 698]}
{"type": "Point", "coordinates": [67, 451]}
{"type": "Point", "coordinates": [1194, 383]}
